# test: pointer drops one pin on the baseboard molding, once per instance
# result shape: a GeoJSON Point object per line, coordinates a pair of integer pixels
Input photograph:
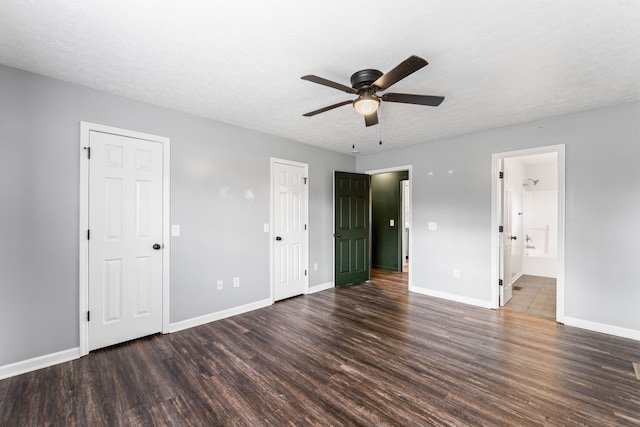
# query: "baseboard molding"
{"type": "Point", "coordinates": [603, 328]}
{"type": "Point", "coordinates": [321, 287]}
{"type": "Point", "coordinates": [212, 317]}
{"type": "Point", "coordinates": [39, 362]}
{"type": "Point", "coordinates": [451, 297]}
{"type": "Point", "coordinates": [47, 360]}
{"type": "Point", "coordinates": [516, 277]}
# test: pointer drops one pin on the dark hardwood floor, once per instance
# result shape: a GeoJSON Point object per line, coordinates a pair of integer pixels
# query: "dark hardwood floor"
{"type": "Point", "coordinates": [366, 355]}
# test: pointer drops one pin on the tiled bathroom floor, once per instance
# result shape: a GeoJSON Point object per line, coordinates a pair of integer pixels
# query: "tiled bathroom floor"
{"type": "Point", "coordinates": [534, 295]}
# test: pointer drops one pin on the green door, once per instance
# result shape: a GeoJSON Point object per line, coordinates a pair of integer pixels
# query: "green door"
{"type": "Point", "coordinates": [351, 235]}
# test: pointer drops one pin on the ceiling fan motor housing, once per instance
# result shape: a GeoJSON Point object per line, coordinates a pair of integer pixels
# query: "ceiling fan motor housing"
{"type": "Point", "coordinates": [363, 78]}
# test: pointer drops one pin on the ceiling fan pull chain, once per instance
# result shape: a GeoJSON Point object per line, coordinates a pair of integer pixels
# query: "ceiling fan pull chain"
{"type": "Point", "coordinates": [380, 128]}
{"type": "Point", "coordinates": [353, 134]}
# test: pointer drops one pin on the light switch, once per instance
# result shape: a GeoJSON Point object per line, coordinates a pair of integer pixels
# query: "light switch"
{"type": "Point", "coordinates": [266, 228]}
{"type": "Point", "coordinates": [391, 223]}
{"type": "Point", "coordinates": [432, 225]}
{"type": "Point", "coordinates": [175, 230]}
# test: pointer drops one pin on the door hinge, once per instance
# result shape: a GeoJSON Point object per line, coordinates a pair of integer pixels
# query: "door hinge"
{"type": "Point", "coordinates": [305, 226]}
{"type": "Point", "coordinates": [305, 180]}
{"type": "Point", "coordinates": [305, 272]}
{"type": "Point", "coordinates": [88, 316]}
{"type": "Point", "coordinates": [500, 229]}
{"type": "Point", "coordinates": [88, 152]}
{"type": "Point", "coordinates": [501, 175]}
{"type": "Point", "coordinates": [499, 282]}
{"type": "Point", "coordinates": [88, 234]}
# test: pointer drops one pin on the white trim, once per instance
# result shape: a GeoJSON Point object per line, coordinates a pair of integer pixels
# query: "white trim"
{"type": "Point", "coordinates": [452, 297]}
{"type": "Point", "coordinates": [408, 168]}
{"type": "Point", "coordinates": [516, 277]}
{"type": "Point", "coordinates": [83, 243]}
{"type": "Point", "coordinates": [333, 227]}
{"type": "Point", "coordinates": [495, 254]}
{"type": "Point", "coordinates": [392, 169]}
{"type": "Point", "coordinates": [305, 166]}
{"type": "Point", "coordinates": [618, 331]}
{"type": "Point", "coordinates": [85, 129]}
{"type": "Point", "coordinates": [219, 315]}
{"type": "Point", "coordinates": [39, 362]}
{"type": "Point", "coordinates": [321, 287]}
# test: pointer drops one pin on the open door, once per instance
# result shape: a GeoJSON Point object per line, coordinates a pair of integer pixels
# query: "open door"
{"type": "Point", "coordinates": [351, 229]}
{"type": "Point", "coordinates": [506, 287]}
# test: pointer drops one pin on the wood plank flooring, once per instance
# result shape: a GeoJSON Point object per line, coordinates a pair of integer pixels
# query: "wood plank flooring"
{"type": "Point", "coordinates": [366, 355]}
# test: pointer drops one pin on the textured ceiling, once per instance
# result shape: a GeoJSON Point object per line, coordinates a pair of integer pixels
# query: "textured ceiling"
{"type": "Point", "coordinates": [497, 62]}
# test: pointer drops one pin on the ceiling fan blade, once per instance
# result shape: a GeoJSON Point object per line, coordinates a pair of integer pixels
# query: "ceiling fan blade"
{"type": "Point", "coordinates": [325, 82]}
{"type": "Point", "coordinates": [371, 119]}
{"type": "Point", "coordinates": [330, 107]}
{"type": "Point", "coordinates": [405, 98]}
{"type": "Point", "coordinates": [402, 70]}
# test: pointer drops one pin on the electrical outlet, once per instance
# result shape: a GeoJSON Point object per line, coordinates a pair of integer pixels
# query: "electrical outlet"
{"type": "Point", "coordinates": [219, 284]}
{"type": "Point", "coordinates": [456, 273]}
{"type": "Point", "coordinates": [236, 282]}
{"type": "Point", "coordinates": [315, 266]}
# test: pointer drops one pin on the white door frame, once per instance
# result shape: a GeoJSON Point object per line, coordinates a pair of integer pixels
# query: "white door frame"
{"type": "Point", "coordinates": [495, 236]}
{"type": "Point", "coordinates": [85, 129]}
{"type": "Point", "coordinates": [272, 162]}
{"type": "Point", "coordinates": [408, 168]}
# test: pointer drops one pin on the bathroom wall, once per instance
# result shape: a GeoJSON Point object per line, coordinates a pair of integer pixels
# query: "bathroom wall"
{"type": "Point", "coordinates": [540, 220]}
{"type": "Point", "coordinates": [514, 169]}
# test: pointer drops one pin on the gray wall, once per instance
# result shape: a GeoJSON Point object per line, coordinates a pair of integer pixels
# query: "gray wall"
{"type": "Point", "coordinates": [602, 209]}
{"type": "Point", "coordinates": [213, 165]}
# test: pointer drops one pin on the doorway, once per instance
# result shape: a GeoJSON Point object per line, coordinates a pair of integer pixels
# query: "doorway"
{"type": "Point", "coordinates": [528, 219]}
{"type": "Point", "coordinates": [397, 226]}
{"type": "Point", "coordinates": [387, 225]}
{"type": "Point", "coordinates": [124, 244]}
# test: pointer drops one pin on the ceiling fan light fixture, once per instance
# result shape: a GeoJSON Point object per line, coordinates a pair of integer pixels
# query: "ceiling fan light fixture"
{"type": "Point", "coordinates": [366, 104]}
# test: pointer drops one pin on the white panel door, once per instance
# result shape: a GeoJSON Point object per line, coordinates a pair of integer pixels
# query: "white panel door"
{"type": "Point", "coordinates": [125, 244]}
{"type": "Point", "coordinates": [289, 230]}
{"type": "Point", "coordinates": [506, 290]}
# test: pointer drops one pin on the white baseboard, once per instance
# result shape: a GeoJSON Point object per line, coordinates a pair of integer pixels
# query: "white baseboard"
{"type": "Point", "coordinates": [516, 277]}
{"type": "Point", "coordinates": [451, 297]}
{"type": "Point", "coordinates": [321, 287]}
{"type": "Point", "coordinates": [39, 362]}
{"type": "Point", "coordinates": [47, 360]}
{"type": "Point", "coordinates": [212, 317]}
{"type": "Point", "coordinates": [603, 327]}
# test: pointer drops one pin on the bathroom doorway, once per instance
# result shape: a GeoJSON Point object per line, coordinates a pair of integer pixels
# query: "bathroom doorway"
{"type": "Point", "coordinates": [529, 198]}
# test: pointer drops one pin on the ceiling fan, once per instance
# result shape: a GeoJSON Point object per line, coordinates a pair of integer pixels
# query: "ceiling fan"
{"type": "Point", "coordinates": [366, 84]}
